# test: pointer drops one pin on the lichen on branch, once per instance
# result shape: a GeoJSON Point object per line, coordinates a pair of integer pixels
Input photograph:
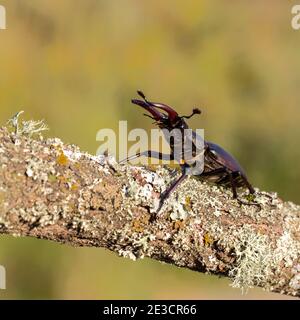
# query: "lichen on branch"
{"type": "Point", "coordinates": [52, 190]}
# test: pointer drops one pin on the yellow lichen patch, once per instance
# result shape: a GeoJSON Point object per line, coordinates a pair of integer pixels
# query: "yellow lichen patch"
{"type": "Point", "coordinates": [76, 165]}
{"type": "Point", "coordinates": [62, 179]}
{"type": "Point", "coordinates": [208, 240]}
{"type": "Point", "coordinates": [188, 203]}
{"type": "Point", "coordinates": [250, 197]}
{"type": "Point", "coordinates": [178, 224]}
{"type": "Point", "coordinates": [152, 167]}
{"type": "Point", "coordinates": [139, 223]}
{"type": "Point", "coordinates": [62, 159]}
{"type": "Point", "coordinates": [136, 226]}
{"type": "Point", "coordinates": [74, 186]}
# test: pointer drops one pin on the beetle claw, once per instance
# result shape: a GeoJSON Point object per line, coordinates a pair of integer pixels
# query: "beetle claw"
{"type": "Point", "coordinates": [241, 202]}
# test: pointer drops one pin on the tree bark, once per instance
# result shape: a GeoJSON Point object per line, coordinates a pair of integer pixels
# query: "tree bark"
{"type": "Point", "coordinates": [54, 191]}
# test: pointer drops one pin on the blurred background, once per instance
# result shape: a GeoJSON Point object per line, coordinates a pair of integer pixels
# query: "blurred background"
{"type": "Point", "coordinates": [77, 64]}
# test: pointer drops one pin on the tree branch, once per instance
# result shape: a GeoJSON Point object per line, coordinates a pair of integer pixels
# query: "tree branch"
{"type": "Point", "coordinates": [54, 191]}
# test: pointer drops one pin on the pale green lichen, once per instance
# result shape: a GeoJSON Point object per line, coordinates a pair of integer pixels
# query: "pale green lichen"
{"type": "Point", "coordinates": [254, 258]}
{"type": "Point", "coordinates": [127, 254]}
{"type": "Point", "coordinates": [37, 169]}
{"type": "Point", "coordinates": [14, 121]}
{"type": "Point", "coordinates": [27, 128]}
{"type": "Point", "coordinates": [178, 211]}
{"type": "Point", "coordinates": [295, 282]}
{"type": "Point", "coordinates": [287, 249]}
{"type": "Point", "coordinates": [32, 127]}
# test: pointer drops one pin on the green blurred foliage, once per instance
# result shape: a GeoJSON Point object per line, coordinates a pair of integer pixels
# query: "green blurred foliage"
{"type": "Point", "coordinates": [77, 64]}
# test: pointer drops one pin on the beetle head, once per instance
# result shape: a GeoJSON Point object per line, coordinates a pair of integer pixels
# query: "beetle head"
{"type": "Point", "coordinates": [168, 119]}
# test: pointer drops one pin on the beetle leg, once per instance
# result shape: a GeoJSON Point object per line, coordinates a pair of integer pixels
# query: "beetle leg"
{"type": "Point", "coordinates": [165, 195]}
{"type": "Point", "coordinates": [249, 186]}
{"type": "Point", "coordinates": [149, 154]}
{"type": "Point", "coordinates": [233, 186]}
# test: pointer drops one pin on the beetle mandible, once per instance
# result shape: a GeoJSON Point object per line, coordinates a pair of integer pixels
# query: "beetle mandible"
{"type": "Point", "coordinates": [219, 166]}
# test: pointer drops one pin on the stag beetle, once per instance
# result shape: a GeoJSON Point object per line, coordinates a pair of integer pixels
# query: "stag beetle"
{"type": "Point", "coordinates": [219, 166]}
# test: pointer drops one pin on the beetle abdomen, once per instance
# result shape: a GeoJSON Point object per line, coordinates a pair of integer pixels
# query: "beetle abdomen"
{"type": "Point", "coordinates": [224, 158]}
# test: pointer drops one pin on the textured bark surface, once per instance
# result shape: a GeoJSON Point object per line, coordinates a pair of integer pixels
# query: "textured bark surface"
{"type": "Point", "coordinates": [54, 191]}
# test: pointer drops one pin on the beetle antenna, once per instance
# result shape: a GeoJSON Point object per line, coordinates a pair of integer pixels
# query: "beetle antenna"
{"type": "Point", "coordinates": [195, 111]}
